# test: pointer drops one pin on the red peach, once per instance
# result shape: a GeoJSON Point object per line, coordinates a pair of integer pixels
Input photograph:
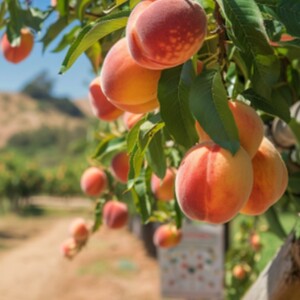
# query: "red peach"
{"type": "Point", "coordinates": [79, 230]}
{"type": "Point", "coordinates": [101, 107]}
{"type": "Point", "coordinates": [249, 124]}
{"type": "Point", "coordinates": [270, 179]}
{"type": "Point", "coordinates": [69, 248]}
{"type": "Point", "coordinates": [18, 53]}
{"type": "Point", "coordinates": [239, 272]}
{"type": "Point", "coordinates": [163, 189]}
{"type": "Point", "coordinates": [93, 181]}
{"type": "Point", "coordinates": [120, 166]}
{"type": "Point", "coordinates": [131, 119]}
{"type": "Point", "coordinates": [115, 214]}
{"type": "Point", "coordinates": [127, 85]}
{"type": "Point", "coordinates": [165, 33]}
{"type": "Point", "coordinates": [211, 184]}
{"type": "Point", "coordinates": [167, 236]}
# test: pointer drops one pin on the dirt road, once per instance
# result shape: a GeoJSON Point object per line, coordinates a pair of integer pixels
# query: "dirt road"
{"type": "Point", "coordinates": [113, 266]}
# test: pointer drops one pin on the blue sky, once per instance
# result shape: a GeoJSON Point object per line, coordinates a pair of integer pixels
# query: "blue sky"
{"type": "Point", "coordinates": [74, 83]}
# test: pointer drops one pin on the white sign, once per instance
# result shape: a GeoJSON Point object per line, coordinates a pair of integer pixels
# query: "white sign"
{"type": "Point", "coordinates": [195, 268]}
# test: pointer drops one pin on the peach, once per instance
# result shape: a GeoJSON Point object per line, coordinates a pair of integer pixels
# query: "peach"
{"type": "Point", "coordinates": [163, 189]}
{"type": "Point", "coordinates": [101, 107]}
{"type": "Point", "coordinates": [69, 248]}
{"type": "Point", "coordinates": [167, 236]}
{"type": "Point", "coordinates": [79, 230]}
{"type": "Point", "coordinates": [16, 54]}
{"type": "Point", "coordinates": [131, 119]}
{"type": "Point", "coordinates": [239, 272]}
{"type": "Point", "coordinates": [93, 181]}
{"type": "Point", "coordinates": [120, 166]}
{"type": "Point", "coordinates": [270, 179]}
{"type": "Point", "coordinates": [249, 124]}
{"type": "Point", "coordinates": [255, 242]}
{"type": "Point", "coordinates": [127, 85]}
{"type": "Point", "coordinates": [165, 33]}
{"type": "Point", "coordinates": [211, 184]}
{"type": "Point", "coordinates": [115, 214]}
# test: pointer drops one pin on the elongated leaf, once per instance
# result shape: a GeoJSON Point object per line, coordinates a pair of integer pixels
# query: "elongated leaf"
{"type": "Point", "coordinates": [132, 136]}
{"type": "Point", "coordinates": [63, 7]}
{"type": "Point", "coordinates": [173, 95]}
{"type": "Point", "coordinates": [208, 102]}
{"type": "Point", "coordinates": [274, 222]}
{"type": "Point", "coordinates": [276, 108]}
{"type": "Point", "coordinates": [94, 55]}
{"type": "Point", "coordinates": [289, 14]}
{"type": "Point", "coordinates": [91, 34]}
{"type": "Point", "coordinates": [66, 39]}
{"type": "Point", "coordinates": [98, 215]}
{"type": "Point", "coordinates": [155, 155]}
{"type": "Point", "coordinates": [34, 18]}
{"type": "Point", "coordinates": [178, 214]}
{"type": "Point", "coordinates": [80, 8]}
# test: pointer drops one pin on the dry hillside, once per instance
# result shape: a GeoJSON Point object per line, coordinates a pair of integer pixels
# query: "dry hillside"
{"type": "Point", "coordinates": [19, 112]}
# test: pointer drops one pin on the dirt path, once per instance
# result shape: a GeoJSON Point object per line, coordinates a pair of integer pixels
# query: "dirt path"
{"type": "Point", "coordinates": [113, 266]}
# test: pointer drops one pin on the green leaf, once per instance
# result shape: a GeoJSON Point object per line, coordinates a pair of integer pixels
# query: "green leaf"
{"type": "Point", "coordinates": [63, 7]}
{"type": "Point", "coordinates": [133, 3]}
{"type": "Point", "coordinates": [178, 214]}
{"type": "Point", "coordinates": [274, 223]}
{"type": "Point", "coordinates": [91, 34]}
{"type": "Point", "coordinates": [276, 108]}
{"type": "Point", "coordinates": [53, 31]}
{"type": "Point", "coordinates": [94, 55]}
{"type": "Point", "coordinates": [15, 23]}
{"type": "Point", "coordinates": [34, 18]}
{"type": "Point", "coordinates": [289, 14]}
{"type": "Point", "coordinates": [135, 163]}
{"type": "Point", "coordinates": [208, 102]}
{"type": "Point", "coordinates": [80, 8]}
{"type": "Point", "coordinates": [2, 13]}
{"type": "Point", "coordinates": [155, 155]}
{"type": "Point", "coordinates": [295, 127]}
{"type": "Point", "coordinates": [132, 136]}
{"type": "Point", "coordinates": [98, 215]}
{"type": "Point", "coordinates": [67, 39]}
{"type": "Point", "coordinates": [173, 93]}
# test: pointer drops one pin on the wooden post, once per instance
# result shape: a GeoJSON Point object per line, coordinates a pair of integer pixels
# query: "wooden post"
{"type": "Point", "coordinates": [280, 280]}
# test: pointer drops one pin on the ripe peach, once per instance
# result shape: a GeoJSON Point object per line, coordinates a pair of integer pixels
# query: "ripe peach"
{"type": "Point", "coordinates": [127, 85]}
{"type": "Point", "coordinates": [115, 214]}
{"type": "Point", "coordinates": [166, 236]}
{"type": "Point", "coordinates": [239, 272]}
{"type": "Point", "coordinates": [69, 248]}
{"type": "Point", "coordinates": [212, 185]}
{"type": "Point", "coordinates": [93, 181]}
{"type": "Point", "coordinates": [101, 107]}
{"type": "Point", "coordinates": [163, 189]}
{"type": "Point", "coordinates": [249, 124]}
{"type": "Point", "coordinates": [120, 166]}
{"type": "Point", "coordinates": [131, 119]}
{"type": "Point", "coordinates": [18, 53]}
{"type": "Point", "coordinates": [165, 33]}
{"type": "Point", "coordinates": [270, 179]}
{"type": "Point", "coordinates": [79, 230]}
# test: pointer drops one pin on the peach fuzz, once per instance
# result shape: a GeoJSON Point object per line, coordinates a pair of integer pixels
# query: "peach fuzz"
{"type": "Point", "coordinates": [18, 53]}
{"type": "Point", "coordinates": [79, 230]}
{"type": "Point", "coordinates": [101, 107]}
{"type": "Point", "coordinates": [127, 85]}
{"type": "Point", "coordinates": [165, 33]}
{"type": "Point", "coordinates": [211, 184]}
{"type": "Point", "coordinates": [115, 214]}
{"type": "Point", "coordinates": [120, 166]}
{"type": "Point", "coordinates": [93, 181]}
{"type": "Point", "coordinates": [270, 179]}
{"type": "Point", "coordinates": [167, 236]}
{"type": "Point", "coordinates": [163, 189]}
{"type": "Point", "coordinates": [249, 124]}
{"type": "Point", "coordinates": [130, 119]}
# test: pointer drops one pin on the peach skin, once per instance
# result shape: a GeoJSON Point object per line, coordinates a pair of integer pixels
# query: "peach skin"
{"type": "Point", "coordinates": [163, 189]}
{"type": "Point", "coordinates": [120, 166]}
{"type": "Point", "coordinates": [162, 34]}
{"type": "Point", "coordinates": [212, 185]}
{"type": "Point", "coordinates": [115, 214]}
{"type": "Point", "coordinates": [127, 85]}
{"type": "Point", "coordinates": [167, 236]}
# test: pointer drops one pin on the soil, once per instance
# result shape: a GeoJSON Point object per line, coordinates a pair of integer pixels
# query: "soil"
{"type": "Point", "coordinates": [113, 266]}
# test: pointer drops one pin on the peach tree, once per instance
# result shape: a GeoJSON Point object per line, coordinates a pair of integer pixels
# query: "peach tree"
{"type": "Point", "coordinates": [182, 86]}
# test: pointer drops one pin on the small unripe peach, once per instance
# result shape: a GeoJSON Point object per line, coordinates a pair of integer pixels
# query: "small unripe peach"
{"type": "Point", "coordinates": [120, 166]}
{"type": "Point", "coordinates": [18, 53]}
{"type": "Point", "coordinates": [69, 248]}
{"type": "Point", "coordinates": [211, 184]}
{"type": "Point", "coordinates": [131, 119]}
{"type": "Point", "coordinates": [165, 33]}
{"type": "Point", "coordinates": [79, 230]}
{"type": "Point", "coordinates": [239, 272]}
{"type": "Point", "coordinates": [101, 107]}
{"type": "Point", "coordinates": [115, 214]}
{"type": "Point", "coordinates": [270, 179]}
{"type": "Point", "coordinates": [163, 189]}
{"type": "Point", "coordinates": [247, 121]}
{"type": "Point", "coordinates": [93, 181]}
{"type": "Point", "coordinates": [167, 236]}
{"type": "Point", "coordinates": [127, 85]}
